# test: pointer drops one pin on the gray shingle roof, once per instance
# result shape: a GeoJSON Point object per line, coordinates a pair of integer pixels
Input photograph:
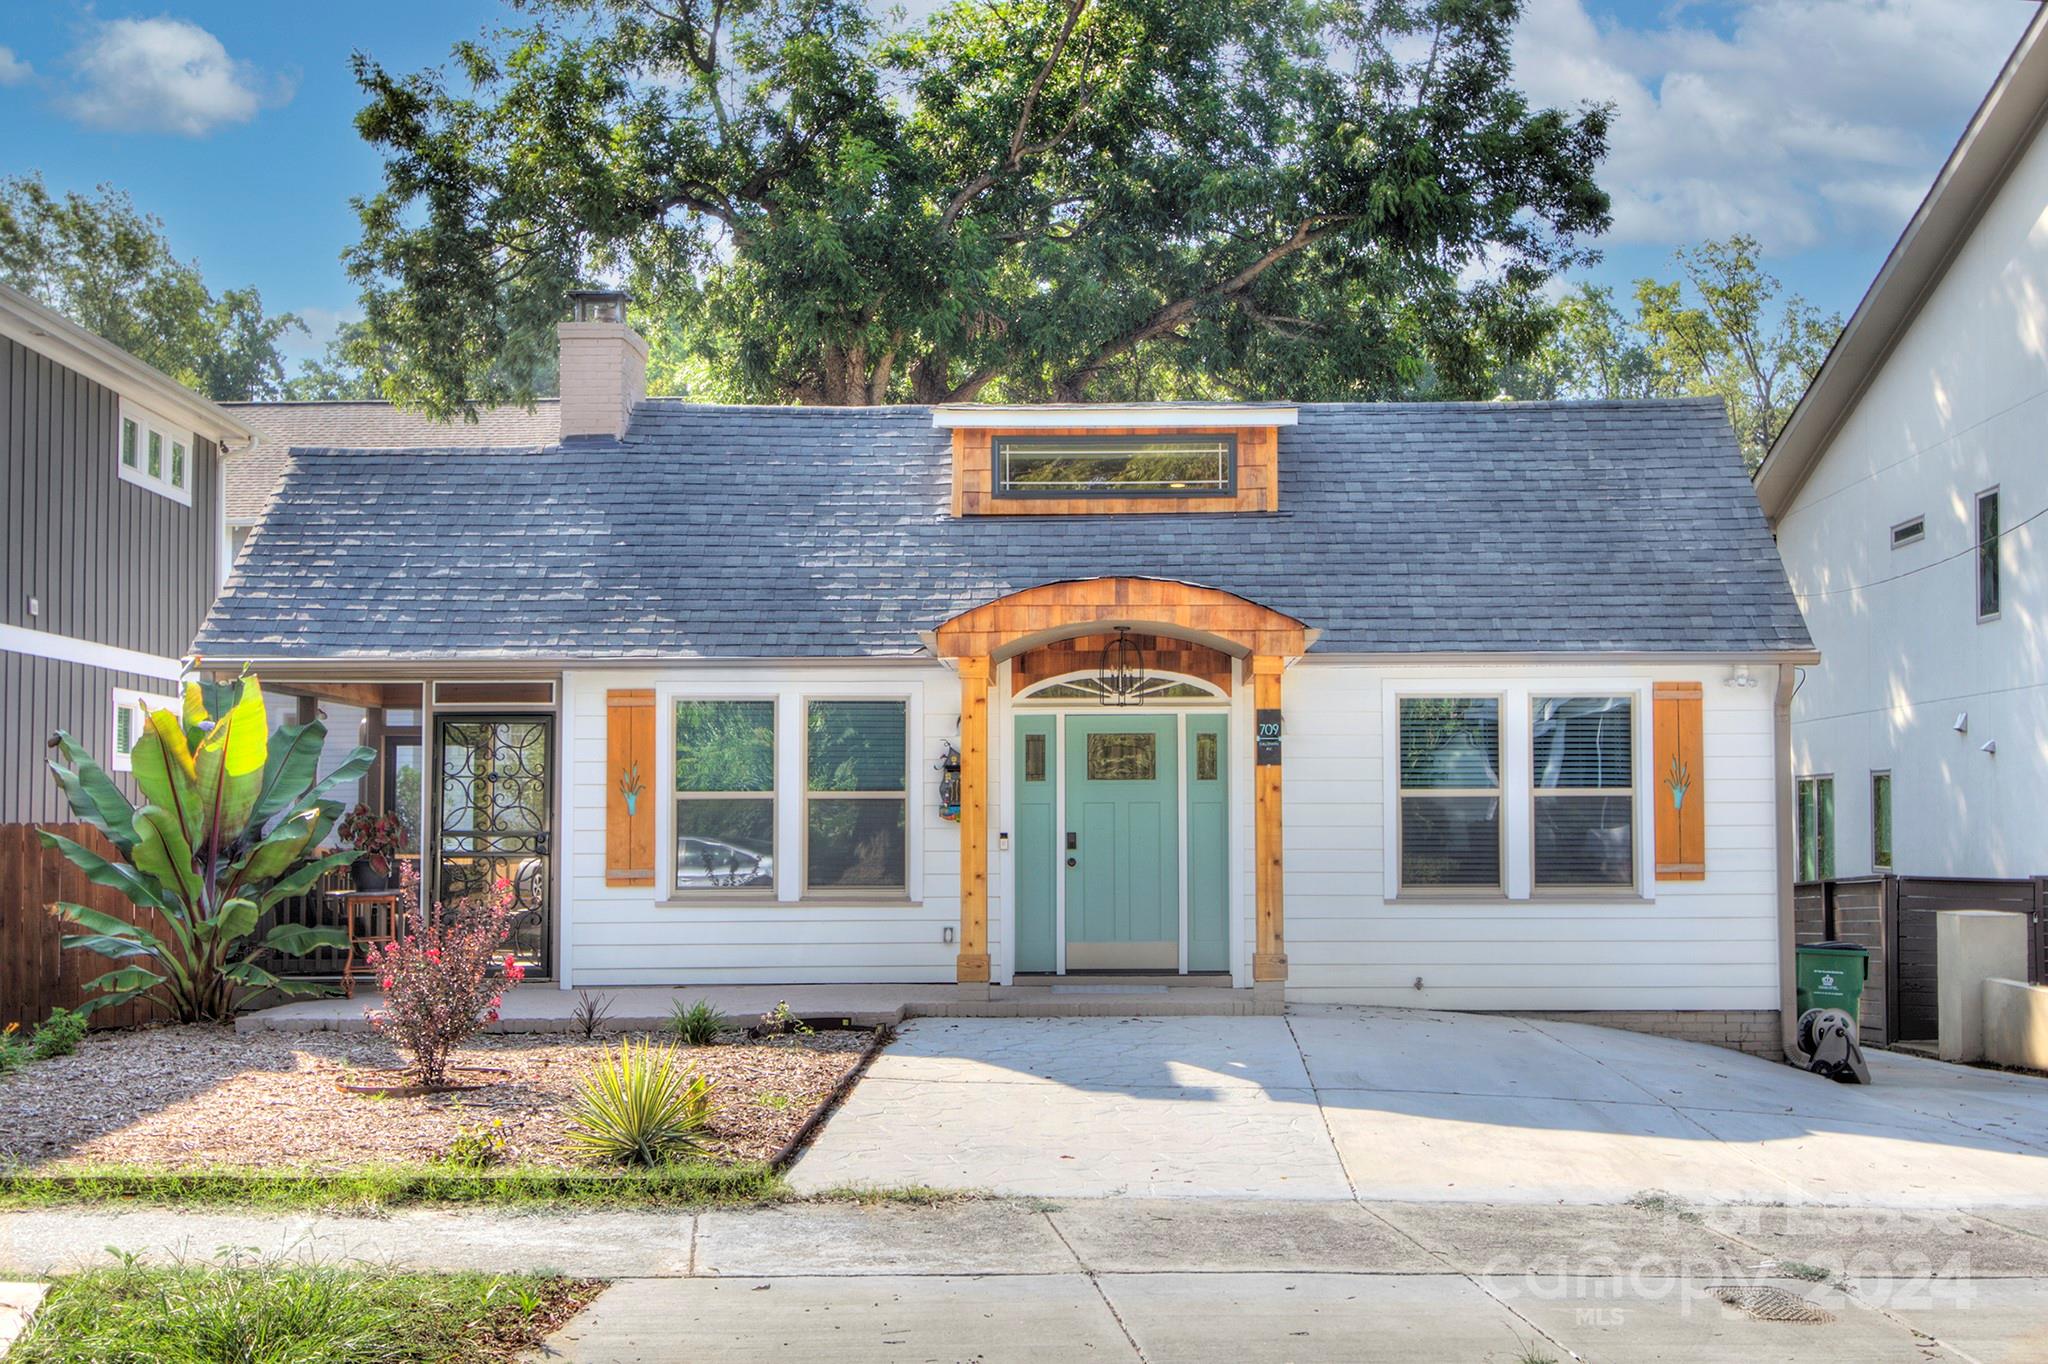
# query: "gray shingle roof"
{"type": "Point", "coordinates": [776, 532]}
{"type": "Point", "coordinates": [254, 474]}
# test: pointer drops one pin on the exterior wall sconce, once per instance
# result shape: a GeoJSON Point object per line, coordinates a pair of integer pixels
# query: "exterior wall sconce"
{"type": "Point", "coordinates": [1741, 677]}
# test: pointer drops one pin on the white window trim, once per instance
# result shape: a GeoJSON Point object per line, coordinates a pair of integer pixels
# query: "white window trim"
{"type": "Point", "coordinates": [1400, 793]}
{"type": "Point", "coordinates": [122, 698]}
{"type": "Point", "coordinates": [665, 815]}
{"type": "Point", "coordinates": [1636, 767]}
{"type": "Point", "coordinates": [1517, 778]}
{"type": "Point", "coordinates": [170, 434]}
{"type": "Point", "coordinates": [791, 795]}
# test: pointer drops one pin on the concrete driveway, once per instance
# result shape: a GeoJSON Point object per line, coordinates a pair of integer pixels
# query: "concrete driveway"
{"type": "Point", "coordinates": [1333, 1103]}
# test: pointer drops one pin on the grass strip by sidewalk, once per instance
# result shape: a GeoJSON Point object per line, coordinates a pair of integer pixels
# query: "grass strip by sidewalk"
{"type": "Point", "coordinates": [700, 1184]}
{"type": "Point", "coordinates": [285, 1313]}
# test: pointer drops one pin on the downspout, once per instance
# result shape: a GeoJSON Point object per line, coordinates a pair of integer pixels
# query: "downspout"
{"type": "Point", "coordinates": [1788, 858]}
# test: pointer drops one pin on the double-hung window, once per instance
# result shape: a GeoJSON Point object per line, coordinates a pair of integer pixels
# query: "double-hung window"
{"type": "Point", "coordinates": [1450, 793]}
{"type": "Point", "coordinates": [1816, 828]}
{"type": "Point", "coordinates": [857, 796]}
{"type": "Point", "coordinates": [128, 723]}
{"type": "Point", "coordinates": [1583, 779]}
{"type": "Point", "coordinates": [154, 454]}
{"type": "Point", "coordinates": [725, 796]}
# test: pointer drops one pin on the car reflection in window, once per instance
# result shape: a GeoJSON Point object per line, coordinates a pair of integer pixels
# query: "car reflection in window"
{"type": "Point", "coordinates": [706, 864]}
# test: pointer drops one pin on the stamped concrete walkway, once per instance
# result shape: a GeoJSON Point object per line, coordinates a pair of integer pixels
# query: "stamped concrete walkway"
{"type": "Point", "coordinates": [1331, 1103]}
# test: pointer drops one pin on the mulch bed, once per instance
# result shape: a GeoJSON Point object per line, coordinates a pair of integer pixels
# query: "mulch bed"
{"type": "Point", "coordinates": [192, 1097]}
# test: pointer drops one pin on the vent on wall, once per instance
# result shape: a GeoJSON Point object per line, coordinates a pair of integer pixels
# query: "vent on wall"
{"type": "Point", "coordinates": [1909, 532]}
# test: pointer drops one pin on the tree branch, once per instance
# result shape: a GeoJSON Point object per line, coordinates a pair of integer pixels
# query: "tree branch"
{"type": "Point", "coordinates": [1019, 149]}
{"type": "Point", "coordinates": [1172, 315]}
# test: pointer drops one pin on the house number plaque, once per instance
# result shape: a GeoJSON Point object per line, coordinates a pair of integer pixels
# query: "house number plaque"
{"type": "Point", "coordinates": [1268, 748]}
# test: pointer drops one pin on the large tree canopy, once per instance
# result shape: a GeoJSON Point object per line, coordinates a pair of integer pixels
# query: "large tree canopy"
{"type": "Point", "coordinates": [1019, 198]}
{"type": "Point", "coordinates": [107, 266]}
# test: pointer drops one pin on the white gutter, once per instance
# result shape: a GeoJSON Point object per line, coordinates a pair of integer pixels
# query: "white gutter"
{"type": "Point", "coordinates": [1102, 416]}
{"type": "Point", "coordinates": [72, 346]}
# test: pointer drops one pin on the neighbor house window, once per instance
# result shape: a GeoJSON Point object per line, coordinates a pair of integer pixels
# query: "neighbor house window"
{"type": "Point", "coordinates": [1816, 828]}
{"type": "Point", "coordinates": [1450, 793]}
{"type": "Point", "coordinates": [1115, 466]}
{"type": "Point", "coordinates": [154, 454]}
{"type": "Point", "coordinates": [857, 796]}
{"type": "Point", "coordinates": [1583, 775]}
{"type": "Point", "coordinates": [1909, 532]}
{"type": "Point", "coordinates": [1881, 820]}
{"type": "Point", "coordinates": [725, 795]}
{"type": "Point", "coordinates": [127, 723]}
{"type": "Point", "coordinates": [1987, 554]}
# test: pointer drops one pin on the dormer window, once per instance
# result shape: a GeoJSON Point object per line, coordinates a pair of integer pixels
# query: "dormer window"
{"type": "Point", "coordinates": [1131, 459]}
{"type": "Point", "coordinates": [1166, 465]}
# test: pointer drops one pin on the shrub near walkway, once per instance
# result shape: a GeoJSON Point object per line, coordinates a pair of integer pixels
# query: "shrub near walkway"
{"type": "Point", "coordinates": [200, 1098]}
{"type": "Point", "coordinates": [295, 1314]}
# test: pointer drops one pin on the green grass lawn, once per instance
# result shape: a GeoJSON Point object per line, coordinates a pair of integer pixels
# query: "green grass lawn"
{"type": "Point", "coordinates": [689, 1185]}
{"type": "Point", "coordinates": [294, 1314]}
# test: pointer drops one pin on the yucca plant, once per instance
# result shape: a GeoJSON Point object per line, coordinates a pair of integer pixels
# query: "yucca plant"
{"type": "Point", "coordinates": [697, 1024]}
{"type": "Point", "coordinates": [640, 1106]}
{"type": "Point", "coordinates": [231, 823]}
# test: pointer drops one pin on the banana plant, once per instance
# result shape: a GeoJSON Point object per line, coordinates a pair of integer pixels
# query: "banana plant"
{"type": "Point", "coordinates": [231, 822]}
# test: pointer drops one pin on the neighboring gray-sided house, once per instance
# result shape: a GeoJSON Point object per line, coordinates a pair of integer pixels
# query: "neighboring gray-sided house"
{"type": "Point", "coordinates": [1467, 706]}
{"type": "Point", "coordinates": [114, 542]}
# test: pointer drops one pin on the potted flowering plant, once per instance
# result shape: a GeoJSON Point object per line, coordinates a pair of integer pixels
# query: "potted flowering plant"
{"type": "Point", "coordinates": [380, 839]}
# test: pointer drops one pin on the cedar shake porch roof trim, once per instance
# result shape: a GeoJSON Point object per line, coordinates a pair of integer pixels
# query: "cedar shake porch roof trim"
{"type": "Point", "coordinates": [1461, 530]}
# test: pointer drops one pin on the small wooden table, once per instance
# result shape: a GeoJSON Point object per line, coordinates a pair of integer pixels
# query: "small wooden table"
{"type": "Point", "coordinates": [371, 917]}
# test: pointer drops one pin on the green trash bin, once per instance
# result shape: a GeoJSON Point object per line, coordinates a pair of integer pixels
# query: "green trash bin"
{"type": "Point", "coordinates": [1831, 976]}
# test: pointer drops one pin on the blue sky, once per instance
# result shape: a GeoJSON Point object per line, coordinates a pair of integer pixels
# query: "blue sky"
{"type": "Point", "coordinates": [1813, 124]}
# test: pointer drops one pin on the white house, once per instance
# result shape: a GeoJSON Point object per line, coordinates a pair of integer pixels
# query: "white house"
{"type": "Point", "coordinates": [1470, 706]}
{"type": "Point", "coordinates": [1906, 492]}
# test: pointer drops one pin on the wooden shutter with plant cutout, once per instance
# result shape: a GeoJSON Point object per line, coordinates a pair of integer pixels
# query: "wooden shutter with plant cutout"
{"type": "Point", "coordinates": [1679, 779]}
{"type": "Point", "coordinates": [630, 783]}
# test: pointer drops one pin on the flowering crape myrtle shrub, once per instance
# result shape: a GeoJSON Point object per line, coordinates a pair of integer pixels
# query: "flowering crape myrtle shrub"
{"type": "Point", "coordinates": [437, 975]}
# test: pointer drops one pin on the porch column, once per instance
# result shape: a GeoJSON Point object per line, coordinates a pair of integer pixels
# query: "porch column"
{"type": "Point", "coordinates": [972, 965]}
{"type": "Point", "coordinates": [1269, 951]}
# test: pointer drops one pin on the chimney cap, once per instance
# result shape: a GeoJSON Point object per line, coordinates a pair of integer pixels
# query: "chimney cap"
{"type": "Point", "coordinates": [598, 305]}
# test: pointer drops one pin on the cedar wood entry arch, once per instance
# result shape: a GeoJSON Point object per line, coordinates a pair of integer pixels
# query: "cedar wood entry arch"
{"type": "Point", "coordinates": [978, 638]}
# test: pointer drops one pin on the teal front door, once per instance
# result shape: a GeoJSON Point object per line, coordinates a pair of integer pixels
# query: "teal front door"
{"type": "Point", "coordinates": [1121, 851]}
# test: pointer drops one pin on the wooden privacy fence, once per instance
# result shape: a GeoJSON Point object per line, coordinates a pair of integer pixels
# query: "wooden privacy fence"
{"type": "Point", "coordinates": [1893, 916]}
{"type": "Point", "coordinates": [36, 974]}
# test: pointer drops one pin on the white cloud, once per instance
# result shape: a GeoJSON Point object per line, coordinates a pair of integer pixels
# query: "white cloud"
{"type": "Point", "coordinates": [13, 70]}
{"type": "Point", "coordinates": [164, 75]}
{"type": "Point", "coordinates": [1800, 121]}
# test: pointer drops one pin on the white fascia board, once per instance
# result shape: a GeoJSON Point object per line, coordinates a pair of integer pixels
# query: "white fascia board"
{"type": "Point", "coordinates": [72, 346]}
{"type": "Point", "coordinates": [1087, 416]}
{"type": "Point", "coordinates": [63, 648]}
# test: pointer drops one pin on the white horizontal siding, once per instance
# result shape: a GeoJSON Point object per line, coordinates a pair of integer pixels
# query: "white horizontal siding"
{"type": "Point", "coordinates": [627, 936]}
{"type": "Point", "coordinates": [1711, 944]}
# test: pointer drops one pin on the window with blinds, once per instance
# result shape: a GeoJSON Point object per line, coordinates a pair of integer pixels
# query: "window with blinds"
{"type": "Point", "coordinates": [858, 797]}
{"type": "Point", "coordinates": [1450, 793]}
{"type": "Point", "coordinates": [1583, 779]}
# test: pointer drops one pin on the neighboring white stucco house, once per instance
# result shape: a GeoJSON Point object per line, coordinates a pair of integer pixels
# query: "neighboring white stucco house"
{"type": "Point", "coordinates": [1904, 492]}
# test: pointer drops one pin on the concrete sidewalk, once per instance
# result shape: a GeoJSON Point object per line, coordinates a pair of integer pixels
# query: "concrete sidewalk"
{"type": "Point", "coordinates": [1177, 1279]}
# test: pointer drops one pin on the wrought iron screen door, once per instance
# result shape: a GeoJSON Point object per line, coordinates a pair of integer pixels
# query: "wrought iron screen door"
{"type": "Point", "coordinates": [495, 813]}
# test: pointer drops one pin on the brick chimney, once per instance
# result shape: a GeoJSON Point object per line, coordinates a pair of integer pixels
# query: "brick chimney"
{"type": "Point", "coordinates": [604, 365]}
